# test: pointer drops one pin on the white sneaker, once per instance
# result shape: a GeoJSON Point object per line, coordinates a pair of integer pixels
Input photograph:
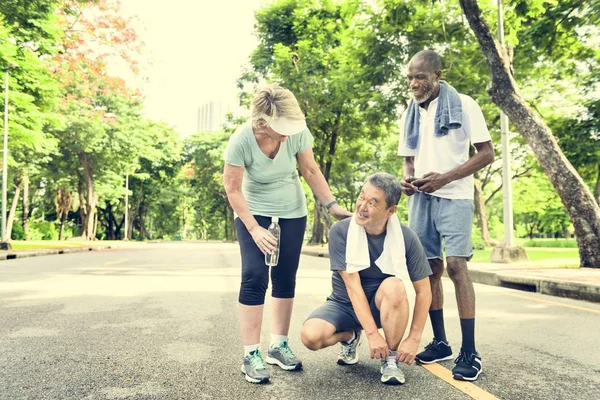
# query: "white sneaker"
{"type": "Point", "coordinates": [391, 373]}
{"type": "Point", "coordinates": [348, 355]}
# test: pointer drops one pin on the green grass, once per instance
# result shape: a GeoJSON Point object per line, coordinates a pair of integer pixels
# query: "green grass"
{"type": "Point", "coordinates": [57, 244]}
{"type": "Point", "coordinates": [557, 257]}
{"type": "Point", "coordinates": [34, 246]}
{"type": "Point", "coordinates": [554, 243]}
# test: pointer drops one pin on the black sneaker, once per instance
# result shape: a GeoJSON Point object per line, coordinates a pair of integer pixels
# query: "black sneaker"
{"type": "Point", "coordinates": [435, 351]}
{"type": "Point", "coordinates": [468, 366]}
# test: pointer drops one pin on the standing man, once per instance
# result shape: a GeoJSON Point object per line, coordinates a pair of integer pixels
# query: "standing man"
{"type": "Point", "coordinates": [436, 132]}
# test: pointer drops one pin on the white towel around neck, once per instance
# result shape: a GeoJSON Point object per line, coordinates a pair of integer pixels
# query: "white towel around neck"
{"type": "Point", "coordinates": [393, 258]}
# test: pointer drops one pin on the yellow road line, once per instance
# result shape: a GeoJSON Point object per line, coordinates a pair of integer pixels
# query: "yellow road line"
{"type": "Point", "coordinates": [467, 388]}
{"type": "Point", "coordinates": [556, 303]}
{"type": "Point", "coordinates": [109, 263]}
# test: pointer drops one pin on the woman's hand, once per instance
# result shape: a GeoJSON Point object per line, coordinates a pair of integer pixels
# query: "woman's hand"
{"type": "Point", "coordinates": [338, 212]}
{"type": "Point", "coordinates": [265, 241]}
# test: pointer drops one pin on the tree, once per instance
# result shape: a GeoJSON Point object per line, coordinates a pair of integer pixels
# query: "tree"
{"type": "Point", "coordinates": [204, 173]}
{"type": "Point", "coordinates": [27, 37]}
{"type": "Point", "coordinates": [312, 48]}
{"type": "Point", "coordinates": [99, 108]}
{"type": "Point", "coordinates": [575, 195]}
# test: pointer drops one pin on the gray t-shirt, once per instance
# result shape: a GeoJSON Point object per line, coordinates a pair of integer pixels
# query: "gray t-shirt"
{"type": "Point", "coordinates": [371, 278]}
{"type": "Point", "coordinates": [271, 187]}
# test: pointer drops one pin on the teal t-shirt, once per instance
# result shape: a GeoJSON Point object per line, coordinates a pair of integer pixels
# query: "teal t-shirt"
{"type": "Point", "coordinates": [271, 187]}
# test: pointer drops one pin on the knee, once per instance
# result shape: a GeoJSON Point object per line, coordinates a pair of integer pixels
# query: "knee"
{"type": "Point", "coordinates": [311, 338]}
{"type": "Point", "coordinates": [457, 269]}
{"type": "Point", "coordinates": [394, 292]}
{"type": "Point", "coordinates": [253, 289]}
{"type": "Point", "coordinates": [284, 289]}
{"type": "Point", "coordinates": [437, 269]}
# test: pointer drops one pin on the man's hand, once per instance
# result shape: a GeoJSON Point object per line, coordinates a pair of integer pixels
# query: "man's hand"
{"type": "Point", "coordinates": [407, 187]}
{"type": "Point", "coordinates": [377, 345]}
{"type": "Point", "coordinates": [408, 350]}
{"type": "Point", "coordinates": [430, 182]}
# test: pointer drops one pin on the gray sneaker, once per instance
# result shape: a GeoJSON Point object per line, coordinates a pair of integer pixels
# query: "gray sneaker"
{"type": "Point", "coordinates": [283, 356]}
{"type": "Point", "coordinates": [254, 368]}
{"type": "Point", "coordinates": [391, 373]}
{"type": "Point", "coordinates": [348, 354]}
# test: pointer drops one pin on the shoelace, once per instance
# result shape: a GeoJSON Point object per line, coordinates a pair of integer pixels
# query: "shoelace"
{"type": "Point", "coordinates": [391, 363]}
{"type": "Point", "coordinates": [285, 349]}
{"type": "Point", "coordinates": [432, 345]}
{"type": "Point", "coordinates": [256, 361]}
{"type": "Point", "coordinates": [464, 358]}
{"type": "Point", "coordinates": [346, 349]}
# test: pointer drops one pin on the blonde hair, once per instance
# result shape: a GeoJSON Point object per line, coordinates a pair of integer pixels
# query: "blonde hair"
{"type": "Point", "coordinates": [272, 101]}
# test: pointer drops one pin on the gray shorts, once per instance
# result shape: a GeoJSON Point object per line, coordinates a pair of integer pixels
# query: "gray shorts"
{"type": "Point", "coordinates": [435, 219]}
{"type": "Point", "coordinates": [342, 315]}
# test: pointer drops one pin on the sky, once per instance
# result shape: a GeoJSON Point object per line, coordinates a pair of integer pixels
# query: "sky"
{"type": "Point", "coordinates": [196, 48]}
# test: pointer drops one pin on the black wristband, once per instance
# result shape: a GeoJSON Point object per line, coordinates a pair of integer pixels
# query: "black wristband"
{"type": "Point", "coordinates": [333, 203]}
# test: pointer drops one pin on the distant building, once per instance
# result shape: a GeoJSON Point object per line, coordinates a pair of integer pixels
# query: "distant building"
{"type": "Point", "coordinates": [212, 115]}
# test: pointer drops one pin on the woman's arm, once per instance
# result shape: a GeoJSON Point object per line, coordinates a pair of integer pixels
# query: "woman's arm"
{"type": "Point", "coordinates": [317, 183]}
{"type": "Point", "coordinates": [232, 180]}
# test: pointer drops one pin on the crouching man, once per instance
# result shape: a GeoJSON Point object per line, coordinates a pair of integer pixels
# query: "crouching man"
{"type": "Point", "coordinates": [371, 256]}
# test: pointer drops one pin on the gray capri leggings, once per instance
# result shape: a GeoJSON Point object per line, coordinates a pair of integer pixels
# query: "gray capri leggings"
{"type": "Point", "coordinates": [255, 274]}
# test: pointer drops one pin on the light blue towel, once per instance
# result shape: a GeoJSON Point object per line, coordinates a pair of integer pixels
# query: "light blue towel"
{"type": "Point", "coordinates": [447, 116]}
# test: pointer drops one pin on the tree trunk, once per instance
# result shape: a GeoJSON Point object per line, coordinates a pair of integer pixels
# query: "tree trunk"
{"type": "Point", "coordinates": [574, 193]}
{"type": "Point", "coordinates": [82, 204]}
{"type": "Point", "coordinates": [110, 222]}
{"type": "Point", "coordinates": [91, 198]}
{"type": "Point", "coordinates": [13, 210]}
{"type": "Point", "coordinates": [317, 236]}
{"type": "Point", "coordinates": [142, 219]}
{"type": "Point", "coordinates": [597, 188]}
{"type": "Point", "coordinates": [481, 215]}
{"type": "Point", "coordinates": [95, 225]}
{"type": "Point", "coordinates": [61, 235]}
{"type": "Point", "coordinates": [321, 220]}
{"type": "Point", "coordinates": [139, 199]}
{"type": "Point", "coordinates": [25, 212]}
{"type": "Point", "coordinates": [64, 201]}
{"type": "Point", "coordinates": [321, 224]}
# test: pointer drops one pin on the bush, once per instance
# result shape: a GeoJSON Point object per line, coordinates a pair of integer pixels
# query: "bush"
{"type": "Point", "coordinates": [478, 243]}
{"type": "Point", "coordinates": [45, 230]}
{"type": "Point", "coordinates": [17, 232]}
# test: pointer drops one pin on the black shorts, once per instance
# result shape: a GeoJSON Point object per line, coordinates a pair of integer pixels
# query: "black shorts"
{"type": "Point", "coordinates": [342, 315]}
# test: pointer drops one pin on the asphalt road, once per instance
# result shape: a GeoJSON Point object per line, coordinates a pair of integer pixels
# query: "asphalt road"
{"type": "Point", "coordinates": [160, 323]}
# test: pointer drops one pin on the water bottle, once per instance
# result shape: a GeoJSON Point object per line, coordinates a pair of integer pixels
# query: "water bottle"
{"type": "Point", "coordinates": [272, 259]}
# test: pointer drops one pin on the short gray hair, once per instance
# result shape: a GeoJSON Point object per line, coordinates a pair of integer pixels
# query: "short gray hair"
{"type": "Point", "coordinates": [431, 59]}
{"type": "Point", "coordinates": [389, 184]}
{"type": "Point", "coordinates": [272, 101]}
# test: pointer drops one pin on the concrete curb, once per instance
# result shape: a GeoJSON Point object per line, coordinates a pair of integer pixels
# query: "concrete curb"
{"type": "Point", "coordinates": [12, 255]}
{"type": "Point", "coordinates": [547, 286]}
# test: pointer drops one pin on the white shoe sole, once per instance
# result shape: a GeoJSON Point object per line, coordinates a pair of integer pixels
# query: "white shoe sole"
{"type": "Point", "coordinates": [354, 361]}
{"type": "Point", "coordinates": [392, 380]}
{"type": "Point", "coordinates": [274, 361]}
{"type": "Point", "coordinates": [253, 380]}
{"type": "Point", "coordinates": [450, 357]}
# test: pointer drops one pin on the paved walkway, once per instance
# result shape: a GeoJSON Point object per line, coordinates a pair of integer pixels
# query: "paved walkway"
{"type": "Point", "coordinates": [540, 277]}
{"type": "Point", "coordinates": [575, 283]}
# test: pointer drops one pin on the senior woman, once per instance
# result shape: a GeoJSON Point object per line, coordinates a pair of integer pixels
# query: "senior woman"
{"type": "Point", "coordinates": [261, 182]}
